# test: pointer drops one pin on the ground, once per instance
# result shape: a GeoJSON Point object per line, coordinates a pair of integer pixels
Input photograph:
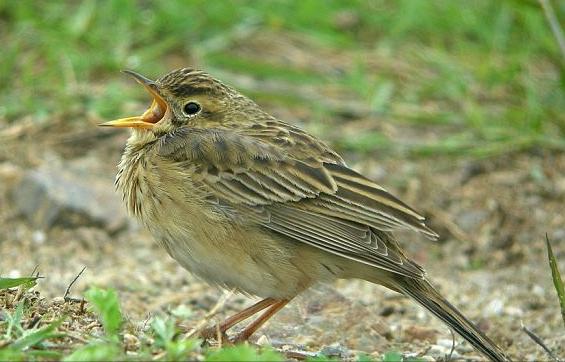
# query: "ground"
{"type": "Point", "coordinates": [470, 135]}
{"type": "Point", "coordinates": [492, 215]}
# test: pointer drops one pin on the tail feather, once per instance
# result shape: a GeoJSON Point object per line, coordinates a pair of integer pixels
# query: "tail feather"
{"type": "Point", "coordinates": [425, 294]}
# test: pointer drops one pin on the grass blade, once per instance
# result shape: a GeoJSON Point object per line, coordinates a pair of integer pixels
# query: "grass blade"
{"type": "Point", "coordinates": [106, 304]}
{"type": "Point", "coordinates": [15, 320]}
{"type": "Point", "coordinates": [96, 352]}
{"type": "Point", "coordinates": [556, 276]}
{"type": "Point", "coordinates": [37, 336]}
{"type": "Point", "coordinates": [6, 283]}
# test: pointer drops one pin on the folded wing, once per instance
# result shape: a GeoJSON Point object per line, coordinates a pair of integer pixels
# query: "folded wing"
{"type": "Point", "coordinates": [324, 204]}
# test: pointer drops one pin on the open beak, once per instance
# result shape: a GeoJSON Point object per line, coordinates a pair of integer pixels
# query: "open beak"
{"type": "Point", "coordinates": [150, 117]}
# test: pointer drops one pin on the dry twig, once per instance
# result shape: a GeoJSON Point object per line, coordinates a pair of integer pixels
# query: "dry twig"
{"type": "Point", "coordinates": [68, 290]}
{"type": "Point", "coordinates": [540, 343]}
{"type": "Point", "coordinates": [450, 355]}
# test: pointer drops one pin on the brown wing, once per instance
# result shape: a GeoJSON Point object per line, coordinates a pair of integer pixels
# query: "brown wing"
{"type": "Point", "coordinates": [324, 204]}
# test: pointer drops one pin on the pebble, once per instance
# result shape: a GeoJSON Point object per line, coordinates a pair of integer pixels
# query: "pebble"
{"type": "Point", "coordinates": [472, 219]}
{"type": "Point", "coordinates": [422, 315]}
{"type": "Point", "coordinates": [64, 194]}
{"type": "Point", "coordinates": [38, 237]}
{"type": "Point", "coordinates": [514, 311]}
{"type": "Point", "coordinates": [538, 290]}
{"type": "Point", "coordinates": [58, 300]}
{"type": "Point", "coordinates": [426, 359]}
{"type": "Point", "coordinates": [446, 343]}
{"type": "Point", "coordinates": [92, 324]}
{"type": "Point", "coordinates": [130, 340]}
{"type": "Point", "coordinates": [557, 235]}
{"type": "Point", "coordinates": [495, 307]}
{"type": "Point", "coordinates": [335, 350]}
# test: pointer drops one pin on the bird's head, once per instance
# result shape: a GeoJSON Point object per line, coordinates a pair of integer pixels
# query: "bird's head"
{"type": "Point", "coordinates": [188, 97]}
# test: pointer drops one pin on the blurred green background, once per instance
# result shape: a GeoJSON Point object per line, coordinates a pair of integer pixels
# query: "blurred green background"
{"type": "Point", "coordinates": [472, 78]}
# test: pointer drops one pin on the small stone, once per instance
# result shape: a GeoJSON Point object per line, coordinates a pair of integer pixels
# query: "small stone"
{"type": "Point", "coordinates": [446, 343]}
{"type": "Point", "coordinates": [558, 235]}
{"type": "Point", "coordinates": [58, 300]}
{"type": "Point", "coordinates": [538, 290]}
{"type": "Point", "coordinates": [335, 350]}
{"type": "Point", "coordinates": [92, 325]}
{"type": "Point", "coordinates": [495, 307]}
{"type": "Point", "coordinates": [514, 311]}
{"type": "Point", "coordinates": [286, 347]}
{"type": "Point", "coordinates": [38, 237]}
{"type": "Point", "coordinates": [421, 315]}
{"type": "Point", "coordinates": [472, 219]}
{"type": "Point", "coordinates": [68, 195]}
{"type": "Point", "coordinates": [426, 358]}
{"type": "Point", "coordinates": [131, 341]}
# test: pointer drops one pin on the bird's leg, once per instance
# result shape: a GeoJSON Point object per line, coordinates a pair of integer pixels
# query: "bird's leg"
{"type": "Point", "coordinates": [256, 324]}
{"type": "Point", "coordinates": [212, 332]}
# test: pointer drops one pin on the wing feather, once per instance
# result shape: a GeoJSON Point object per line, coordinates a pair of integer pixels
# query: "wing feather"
{"type": "Point", "coordinates": [324, 204]}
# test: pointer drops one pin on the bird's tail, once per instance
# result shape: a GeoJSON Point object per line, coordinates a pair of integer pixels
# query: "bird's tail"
{"type": "Point", "coordinates": [425, 294]}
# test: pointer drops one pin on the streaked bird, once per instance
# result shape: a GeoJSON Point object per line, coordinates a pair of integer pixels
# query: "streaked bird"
{"type": "Point", "coordinates": [246, 201]}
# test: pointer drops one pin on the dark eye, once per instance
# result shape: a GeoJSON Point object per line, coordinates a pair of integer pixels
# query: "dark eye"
{"type": "Point", "coordinates": [191, 108]}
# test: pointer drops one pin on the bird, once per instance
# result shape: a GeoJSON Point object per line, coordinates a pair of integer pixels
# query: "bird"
{"type": "Point", "coordinates": [248, 202]}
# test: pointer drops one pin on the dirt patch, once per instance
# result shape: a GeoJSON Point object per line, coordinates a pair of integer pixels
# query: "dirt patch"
{"type": "Point", "coordinates": [490, 261]}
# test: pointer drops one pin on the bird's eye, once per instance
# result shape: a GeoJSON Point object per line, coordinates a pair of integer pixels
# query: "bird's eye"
{"type": "Point", "coordinates": [191, 108]}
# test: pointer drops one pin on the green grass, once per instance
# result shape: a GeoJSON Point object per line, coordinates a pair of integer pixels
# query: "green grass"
{"type": "Point", "coordinates": [25, 282]}
{"type": "Point", "coordinates": [556, 277]}
{"type": "Point", "coordinates": [19, 342]}
{"type": "Point", "coordinates": [162, 342]}
{"type": "Point", "coordinates": [487, 74]}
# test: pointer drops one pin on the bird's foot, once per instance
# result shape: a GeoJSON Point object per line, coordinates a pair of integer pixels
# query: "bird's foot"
{"type": "Point", "coordinates": [221, 337]}
{"type": "Point", "coordinates": [241, 337]}
{"type": "Point", "coordinates": [218, 331]}
{"type": "Point", "coordinates": [214, 332]}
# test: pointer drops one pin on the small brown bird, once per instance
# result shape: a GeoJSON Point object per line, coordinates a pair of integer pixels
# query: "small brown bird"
{"type": "Point", "coordinates": [248, 202]}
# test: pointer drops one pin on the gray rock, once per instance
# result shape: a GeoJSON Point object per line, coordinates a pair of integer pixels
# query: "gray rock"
{"type": "Point", "coordinates": [69, 195]}
{"type": "Point", "coordinates": [472, 220]}
{"type": "Point", "coordinates": [335, 350]}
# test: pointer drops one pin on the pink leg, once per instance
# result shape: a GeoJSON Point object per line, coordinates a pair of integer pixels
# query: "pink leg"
{"type": "Point", "coordinates": [211, 332]}
{"type": "Point", "coordinates": [256, 324]}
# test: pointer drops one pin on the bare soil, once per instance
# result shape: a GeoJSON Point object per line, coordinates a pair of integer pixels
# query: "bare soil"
{"type": "Point", "coordinates": [492, 215]}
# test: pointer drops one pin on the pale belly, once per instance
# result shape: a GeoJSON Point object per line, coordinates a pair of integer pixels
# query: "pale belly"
{"type": "Point", "coordinates": [250, 261]}
{"type": "Point", "coordinates": [217, 248]}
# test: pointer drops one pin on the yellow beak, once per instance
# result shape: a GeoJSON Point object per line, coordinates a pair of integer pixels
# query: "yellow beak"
{"type": "Point", "coordinates": [151, 116]}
